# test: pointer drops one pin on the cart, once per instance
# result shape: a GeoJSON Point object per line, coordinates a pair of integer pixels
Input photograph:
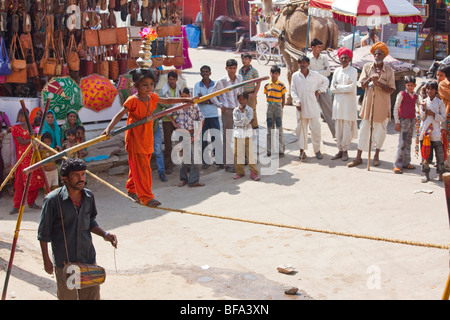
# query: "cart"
{"type": "Point", "coordinates": [267, 48]}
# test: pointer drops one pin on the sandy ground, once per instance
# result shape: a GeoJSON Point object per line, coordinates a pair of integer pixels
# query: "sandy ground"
{"type": "Point", "coordinates": [167, 255]}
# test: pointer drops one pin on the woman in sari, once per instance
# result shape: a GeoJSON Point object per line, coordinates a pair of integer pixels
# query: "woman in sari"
{"type": "Point", "coordinates": [21, 138]}
{"type": "Point", "coordinates": [51, 126]}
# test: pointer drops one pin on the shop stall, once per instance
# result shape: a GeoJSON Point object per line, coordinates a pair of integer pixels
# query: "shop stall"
{"type": "Point", "coordinates": [45, 40]}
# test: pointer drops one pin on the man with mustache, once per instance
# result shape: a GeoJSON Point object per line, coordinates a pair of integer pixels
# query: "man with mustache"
{"type": "Point", "coordinates": [67, 221]}
{"type": "Point", "coordinates": [378, 79]}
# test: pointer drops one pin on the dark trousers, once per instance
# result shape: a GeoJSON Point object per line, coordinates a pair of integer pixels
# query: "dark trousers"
{"type": "Point", "coordinates": [209, 123]}
{"type": "Point", "coordinates": [168, 129]}
{"type": "Point", "coordinates": [439, 152]}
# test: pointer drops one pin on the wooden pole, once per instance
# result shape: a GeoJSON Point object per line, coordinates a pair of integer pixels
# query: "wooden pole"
{"type": "Point", "coordinates": [35, 156]}
{"type": "Point", "coordinates": [446, 177]}
{"type": "Point", "coordinates": [101, 138]}
{"type": "Point", "coordinates": [372, 109]}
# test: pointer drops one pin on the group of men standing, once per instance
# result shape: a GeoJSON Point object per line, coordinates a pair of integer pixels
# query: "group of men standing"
{"type": "Point", "coordinates": [309, 90]}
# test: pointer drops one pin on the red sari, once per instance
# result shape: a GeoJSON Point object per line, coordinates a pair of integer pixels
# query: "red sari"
{"type": "Point", "coordinates": [36, 181]}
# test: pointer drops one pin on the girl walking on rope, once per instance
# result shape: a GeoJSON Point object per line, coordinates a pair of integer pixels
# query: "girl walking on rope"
{"type": "Point", "coordinates": [139, 140]}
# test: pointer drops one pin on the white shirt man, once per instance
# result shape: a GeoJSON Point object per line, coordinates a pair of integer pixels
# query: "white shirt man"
{"type": "Point", "coordinates": [306, 85]}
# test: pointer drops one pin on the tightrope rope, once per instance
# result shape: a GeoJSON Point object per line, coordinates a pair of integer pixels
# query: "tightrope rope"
{"type": "Point", "coordinates": [310, 229]}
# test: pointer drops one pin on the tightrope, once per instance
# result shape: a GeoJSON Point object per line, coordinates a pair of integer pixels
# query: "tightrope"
{"type": "Point", "coordinates": [310, 229]}
{"type": "Point", "coordinates": [272, 224]}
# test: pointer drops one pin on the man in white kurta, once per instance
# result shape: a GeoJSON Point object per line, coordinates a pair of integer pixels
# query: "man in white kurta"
{"type": "Point", "coordinates": [305, 87]}
{"type": "Point", "coordinates": [345, 104]}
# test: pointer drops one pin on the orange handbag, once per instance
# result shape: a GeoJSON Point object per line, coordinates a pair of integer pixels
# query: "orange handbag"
{"type": "Point", "coordinates": [48, 64]}
{"type": "Point", "coordinates": [107, 37]}
{"type": "Point", "coordinates": [91, 37]}
{"type": "Point", "coordinates": [18, 66]}
{"type": "Point", "coordinates": [72, 58]}
{"type": "Point", "coordinates": [122, 35]}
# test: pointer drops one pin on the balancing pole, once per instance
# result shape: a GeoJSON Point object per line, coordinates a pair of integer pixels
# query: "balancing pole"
{"type": "Point", "coordinates": [101, 138]}
{"type": "Point", "coordinates": [24, 198]}
{"type": "Point", "coordinates": [446, 177]}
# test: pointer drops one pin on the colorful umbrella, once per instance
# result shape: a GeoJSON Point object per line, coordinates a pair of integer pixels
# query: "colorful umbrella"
{"type": "Point", "coordinates": [125, 87]}
{"type": "Point", "coordinates": [98, 92]}
{"type": "Point", "coordinates": [65, 94]}
{"type": "Point", "coordinates": [369, 13]}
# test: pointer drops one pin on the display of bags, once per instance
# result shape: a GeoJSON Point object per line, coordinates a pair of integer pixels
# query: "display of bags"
{"type": "Point", "coordinates": [18, 64]}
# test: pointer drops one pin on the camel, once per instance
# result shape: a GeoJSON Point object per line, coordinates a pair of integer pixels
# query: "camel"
{"type": "Point", "coordinates": [290, 27]}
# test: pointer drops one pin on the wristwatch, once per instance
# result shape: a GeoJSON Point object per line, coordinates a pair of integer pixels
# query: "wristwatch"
{"type": "Point", "coordinates": [106, 234]}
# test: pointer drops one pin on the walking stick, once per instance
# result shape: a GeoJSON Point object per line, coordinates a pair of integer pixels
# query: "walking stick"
{"type": "Point", "coordinates": [371, 127]}
{"type": "Point", "coordinates": [24, 195]}
{"type": "Point", "coordinates": [446, 177]}
{"type": "Point", "coordinates": [137, 123]}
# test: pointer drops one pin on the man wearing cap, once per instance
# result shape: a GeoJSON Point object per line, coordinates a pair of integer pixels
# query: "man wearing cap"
{"type": "Point", "coordinates": [378, 80]}
{"type": "Point", "coordinates": [345, 113]}
{"type": "Point", "coordinates": [319, 63]}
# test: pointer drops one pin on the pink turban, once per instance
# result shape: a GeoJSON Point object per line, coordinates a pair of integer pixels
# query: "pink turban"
{"type": "Point", "coordinates": [381, 46]}
{"type": "Point", "coordinates": [346, 51]}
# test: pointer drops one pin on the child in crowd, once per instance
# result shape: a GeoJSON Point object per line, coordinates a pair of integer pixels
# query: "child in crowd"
{"type": "Point", "coordinates": [242, 117]}
{"type": "Point", "coordinates": [170, 90]}
{"type": "Point", "coordinates": [139, 140]}
{"type": "Point", "coordinates": [36, 124]}
{"type": "Point", "coordinates": [404, 116]}
{"type": "Point", "coordinates": [71, 141]}
{"type": "Point", "coordinates": [81, 137]}
{"type": "Point", "coordinates": [433, 115]}
{"type": "Point", "coordinates": [186, 121]}
{"type": "Point", "coordinates": [50, 169]}
{"type": "Point", "coordinates": [275, 95]}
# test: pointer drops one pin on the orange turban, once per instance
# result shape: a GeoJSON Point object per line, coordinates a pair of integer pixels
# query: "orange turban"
{"type": "Point", "coordinates": [381, 46]}
{"type": "Point", "coordinates": [346, 51]}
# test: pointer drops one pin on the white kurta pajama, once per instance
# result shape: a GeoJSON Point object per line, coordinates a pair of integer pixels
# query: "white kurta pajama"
{"type": "Point", "coordinates": [345, 104]}
{"type": "Point", "coordinates": [303, 91]}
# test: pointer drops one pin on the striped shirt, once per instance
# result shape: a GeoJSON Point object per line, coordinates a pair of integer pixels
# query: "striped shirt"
{"type": "Point", "coordinates": [274, 91]}
{"type": "Point", "coordinates": [252, 73]}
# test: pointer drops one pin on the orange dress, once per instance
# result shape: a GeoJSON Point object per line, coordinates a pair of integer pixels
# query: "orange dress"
{"type": "Point", "coordinates": [139, 146]}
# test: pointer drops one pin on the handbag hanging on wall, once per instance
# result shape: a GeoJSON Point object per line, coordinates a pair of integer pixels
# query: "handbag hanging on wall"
{"type": "Point", "coordinates": [73, 60]}
{"type": "Point", "coordinates": [91, 37]}
{"type": "Point", "coordinates": [18, 64]}
{"type": "Point", "coordinates": [48, 63]}
{"type": "Point", "coordinates": [113, 68]}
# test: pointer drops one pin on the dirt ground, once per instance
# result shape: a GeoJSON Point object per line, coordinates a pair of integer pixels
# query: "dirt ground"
{"type": "Point", "coordinates": [230, 250]}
